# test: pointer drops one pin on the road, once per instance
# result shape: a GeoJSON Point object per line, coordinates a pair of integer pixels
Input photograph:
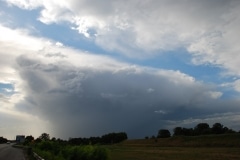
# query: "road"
{"type": "Point", "coordinates": [7, 152]}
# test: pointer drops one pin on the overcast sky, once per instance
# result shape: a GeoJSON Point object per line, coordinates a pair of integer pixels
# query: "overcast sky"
{"type": "Point", "coordinates": [81, 68]}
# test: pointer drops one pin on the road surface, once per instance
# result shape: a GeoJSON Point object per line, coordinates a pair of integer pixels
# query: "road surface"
{"type": "Point", "coordinates": [7, 152]}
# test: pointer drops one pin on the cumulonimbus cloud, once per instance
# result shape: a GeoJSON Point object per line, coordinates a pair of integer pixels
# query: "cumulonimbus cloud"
{"type": "Point", "coordinates": [91, 94]}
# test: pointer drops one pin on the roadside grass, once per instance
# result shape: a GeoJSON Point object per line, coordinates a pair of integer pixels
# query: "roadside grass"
{"type": "Point", "coordinates": [51, 151]}
{"type": "Point", "coordinates": [210, 147]}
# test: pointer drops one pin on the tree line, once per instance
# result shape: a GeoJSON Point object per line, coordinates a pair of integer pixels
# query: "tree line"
{"type": "Point", "coordinates": [199, 129]}
{"type": "Point", "coordinates": [110, 138]}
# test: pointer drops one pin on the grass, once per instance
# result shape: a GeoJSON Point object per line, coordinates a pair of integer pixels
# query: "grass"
{"type": "Point", "coordinates": [174, 153]}
{"type": "Point", "coordinates": [211, 147]}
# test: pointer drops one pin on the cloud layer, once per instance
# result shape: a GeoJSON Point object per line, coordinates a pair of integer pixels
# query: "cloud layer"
{"type": "Point", "coordinates": [206, 29]}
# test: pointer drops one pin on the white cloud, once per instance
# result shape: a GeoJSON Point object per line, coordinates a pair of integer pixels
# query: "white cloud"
{"type": "Point", "coordinates": [160, 112]}
{"type": "Point", "coordinates": [236, 85]}
{"type": "Point", "coordinates": [209, 30]}
{"type": "Point", "coordinates": [214, 95]}
{"type": "Point", "coordinates": [59, 44]}
{"type": "Point", "coordinates": [26, 4]}
{"type": "Point", "coordinates": [150, 90]}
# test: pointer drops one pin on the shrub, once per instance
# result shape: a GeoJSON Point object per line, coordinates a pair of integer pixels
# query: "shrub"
{"type": "Point", "coordinates": [87, 152]}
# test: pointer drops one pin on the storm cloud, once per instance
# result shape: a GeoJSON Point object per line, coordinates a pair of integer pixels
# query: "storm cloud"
{"type": "Point", "coordinates": [79, 100]}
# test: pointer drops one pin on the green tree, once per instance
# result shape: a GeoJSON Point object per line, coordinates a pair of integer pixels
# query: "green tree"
{"type": "Point", "coordinates": [53, 139]}
{"type": "Point", "coordinates": [164, 133]}
{"type": "Point", "coordinates": [45, 137]}
{"type": "Point", "coordinates": [114, 137]}
{"type": "Point", "coordinates": [202, 128]}
{"type": "Point", "coordinates": [217, 128]}
{"type": "Point", "coordinates": [28, 139]}
{"type": "Point", "coordinates": [3, 140]}
{"type": "Point", "coordinates": [178, 131]}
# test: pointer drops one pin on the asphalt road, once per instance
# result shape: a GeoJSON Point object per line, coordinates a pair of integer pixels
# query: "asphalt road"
{"type": "Point", "coordinates": [7, 152]}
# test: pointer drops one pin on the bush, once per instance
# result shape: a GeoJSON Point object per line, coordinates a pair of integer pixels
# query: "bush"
{"type": "Point", "coordinates": [85, 153]}
{"type": "Point", "coordinates": [55, 151]}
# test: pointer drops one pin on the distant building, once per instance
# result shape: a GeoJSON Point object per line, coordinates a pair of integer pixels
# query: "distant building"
{"type": "Point", "coordinates": [20, 138]}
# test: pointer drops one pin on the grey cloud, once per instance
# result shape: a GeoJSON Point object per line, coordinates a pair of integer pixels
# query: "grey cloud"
{"type": "Point", "coordinates": [56, 55]}
{"type": "Point", "coordinates": [4, 98]}
{"type": "Point", "coordinates": [80, 101]}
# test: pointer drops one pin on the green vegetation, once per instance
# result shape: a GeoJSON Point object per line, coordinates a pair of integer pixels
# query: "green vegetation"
{"type": "Point", "coordinates": [110, 138]}
{"type": "Point", "coordinates": [74, 149]}
{"type": "Point", "coordinates": [3, 140]}
{"type": "Point", "coordinates": [223, 140]}
{"type": "Point", "coordinates": [199, 129]}
{"type": "Point", "coordinates": [202, 129]}
{"type": "Point", "coordinates": [55, 151]}
{"type": "Point", "coordinates": [215, 147]}
{"type": "Point", "coordinates": [199, 143]}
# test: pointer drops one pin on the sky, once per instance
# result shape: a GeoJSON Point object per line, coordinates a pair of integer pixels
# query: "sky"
{"type": "Point", "coordinates": [82, 68]}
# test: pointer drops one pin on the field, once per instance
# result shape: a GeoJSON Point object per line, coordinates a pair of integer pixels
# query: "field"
{"type": "Point", "coordinates": [211, 147]}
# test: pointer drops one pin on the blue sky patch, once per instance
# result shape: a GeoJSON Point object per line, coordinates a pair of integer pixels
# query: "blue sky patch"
{"type": "Point", "coordinates": [6, 89]}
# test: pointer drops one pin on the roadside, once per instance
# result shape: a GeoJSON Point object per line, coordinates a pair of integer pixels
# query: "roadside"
{"type": "Point", "coordinates": [28, 153]}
